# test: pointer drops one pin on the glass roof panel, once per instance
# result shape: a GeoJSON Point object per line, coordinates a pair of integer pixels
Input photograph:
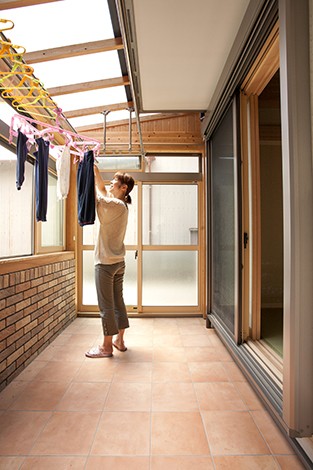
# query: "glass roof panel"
{"type": "Point", "coordinates": [99, 119]}
{"type": "Point", "coordinates": [79, 69]}
{"type": "Point", "coordinates": [61, 23]}
{"type": "Point", "coordinates": [87, 99]}
{"type": "Point", "coordinates": [65, 23]}
{"type": "Point", "coordinates": [6, 112]}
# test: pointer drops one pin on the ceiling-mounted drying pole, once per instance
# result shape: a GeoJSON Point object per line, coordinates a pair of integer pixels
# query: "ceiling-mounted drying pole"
{"type": "Point", "coordinates": [105, 113]}
{"type": "Point", "coordinates": [130, 144]}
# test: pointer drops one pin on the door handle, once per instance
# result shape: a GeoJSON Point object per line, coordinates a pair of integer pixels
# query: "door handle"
{"type": "Point", "coordinates": [136, 254]}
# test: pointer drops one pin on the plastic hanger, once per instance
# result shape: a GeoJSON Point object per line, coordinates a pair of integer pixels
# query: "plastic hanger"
{"type": "Point", "coordinates": [11, 26]}
{"type": "Point", "coordinates": [76, 141]}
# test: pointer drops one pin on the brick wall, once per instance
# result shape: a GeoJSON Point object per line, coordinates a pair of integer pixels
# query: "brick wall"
{"type": "Point", "coordinates": [36, 304]}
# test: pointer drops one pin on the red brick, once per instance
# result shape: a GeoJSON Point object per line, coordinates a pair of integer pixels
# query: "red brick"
{"type": "Point", "coordinates": [7, 332]}
{"type": "Point", "coordinates": [43, 302]}
{"type": "Point", "coordinates": [30, 325]}
{"type": "Point", "coordinates": [13, 338]}
{"type": "Point", "coordinates": [23, 322]}
{"type": "Point", "coordinates": [36, 282]}
{"type": "Point", "coordinates": [14, 318]}
{"type": "Point", "coordinates": [22, 286]}
{"type": "Point", "coordinates": [7, 311]}
{"type": "Point", "coordinates": [48, 321]}
{"type": "Point", "coordinates": [6, 292]}
{"type": "Point", "coordinates": [12, 358]}
{"type": "Point", "coordinates": [37, 329]}
{"type": "Point", "coordinates": [12, 279]}
{"type": "Point", "coordinates": [37, 346]}
{"type": "Point", "coordinates": [31, 309]}
{"type": "Point", "coordinates": [30, 292]}
{"type": "Point", "coordinates": [6, 281]}
{"type": "Point", "coordinates": [44, 317]}
{"type": "Point", "coordinates": [48, 278]}
{"type": "Point", "coordinates": [14, 299]}
{"type": "Point", "coordinates": [7, 372]}
{"type": "Point", "coordinates": [22, 305]}
{"type": "Point", "coordinates": [23, 359]}
{"type": "Point", "coordinates": [3, 365]}
{"type": "Point", "coordinates": [30, 343]}
{"type": "Point", "coordinates": [43, 332]}
{"type": "Point", "coordinates": [7, 352]}
{"type": "Point", "coordinates": [23, 340]}
{"type": "Point", "coordinates": [36, 298]}
{"type": "Point", "coordinates": [37, 314]}
{"type": "Point", "coordinates": [53, 324]}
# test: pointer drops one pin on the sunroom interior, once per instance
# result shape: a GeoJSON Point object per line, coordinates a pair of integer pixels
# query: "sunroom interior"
{"type": "Point", "coordinates": [128, 80]}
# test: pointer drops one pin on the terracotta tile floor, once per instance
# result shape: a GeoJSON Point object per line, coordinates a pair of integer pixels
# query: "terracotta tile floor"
{"type": "Point", "coordinates": [174, 401]}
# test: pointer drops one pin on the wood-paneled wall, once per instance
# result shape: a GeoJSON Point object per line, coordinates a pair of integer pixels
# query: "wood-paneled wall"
{"type": "Point", "coordinates": [160, 134]}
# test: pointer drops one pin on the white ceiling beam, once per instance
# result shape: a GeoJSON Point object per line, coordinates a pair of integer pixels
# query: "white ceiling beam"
{"type": "Point", "coordinates": [75, 50]}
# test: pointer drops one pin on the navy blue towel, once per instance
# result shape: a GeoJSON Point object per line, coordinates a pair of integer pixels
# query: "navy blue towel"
{"type": "Point", "coordinates": [86, 190]}
{"type": "Point", "coordinates": [21, 155]}
{"type": "Point", "coordinates": [41, 179]}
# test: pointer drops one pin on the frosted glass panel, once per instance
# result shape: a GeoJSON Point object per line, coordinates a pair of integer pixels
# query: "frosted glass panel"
{"type": "Point", "coordinates": [52, 229]}
{"type": "Point", "coordinates": [170, 214]}
{"type": "Point", "coordinates": [123, 163]}
{"type": "Point", "coordinates": [170, 278]}
{"type": "Point", "coordinates": [130, 280]}
{"type": "Point", "coordinates": [16, 208]}
{"type": "Point", "coordinates": [89, 231]}
{"type": "Point", "coordinates": [170, 164]}
{"type": "Point", "coordinates": [89, 287]}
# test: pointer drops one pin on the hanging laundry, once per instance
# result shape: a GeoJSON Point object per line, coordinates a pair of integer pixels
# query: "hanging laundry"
{"type": "Point", "coordinates": [86, 190]}
{"type": "Point", "coordinates": [63, 167]}
{"type": "Point", "coordinates": [41, 179]}
{"type": "Point", "coordinates": [21, 155]}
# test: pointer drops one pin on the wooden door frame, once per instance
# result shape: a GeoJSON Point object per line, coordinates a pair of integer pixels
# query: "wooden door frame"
{"type": "Point", "coordinates": [260, 74]}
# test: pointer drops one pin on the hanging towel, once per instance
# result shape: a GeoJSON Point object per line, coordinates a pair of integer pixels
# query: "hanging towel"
{"type": "Point", "coordinates": [63, 167]}
{"type": "Point", "coordinates": [86, 190]}
{"type": "Point", "coordinates": [41, 179]}
{"type": "Point", "coordinates": [21, 155]}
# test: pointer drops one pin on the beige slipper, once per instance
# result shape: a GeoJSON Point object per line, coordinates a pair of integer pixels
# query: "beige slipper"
{"type": "Point", "coordinates": [97, 351]}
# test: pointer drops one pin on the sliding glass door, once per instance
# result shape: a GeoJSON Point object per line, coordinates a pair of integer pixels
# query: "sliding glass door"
{"type": "Point", "coordinates": [224, 278]}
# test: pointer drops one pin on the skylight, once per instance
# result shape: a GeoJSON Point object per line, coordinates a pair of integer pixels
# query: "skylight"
{"type": "Point", "coordinates": [67, 23]}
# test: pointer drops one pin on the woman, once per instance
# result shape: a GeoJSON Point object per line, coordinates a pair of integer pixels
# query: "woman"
{"type": "Point", "coordinates": [112, 213]}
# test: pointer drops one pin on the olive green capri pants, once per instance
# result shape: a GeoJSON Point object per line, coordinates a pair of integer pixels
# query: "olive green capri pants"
{"type": "Point", "coordinates": [109, 283]}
